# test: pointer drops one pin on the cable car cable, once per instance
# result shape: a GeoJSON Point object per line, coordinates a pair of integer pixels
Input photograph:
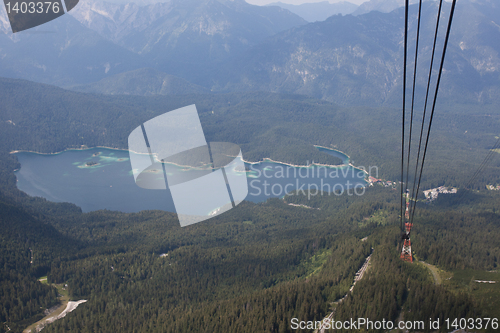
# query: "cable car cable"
{"type": "Point", "coordinates": [435, 97]}
{"type": "Point", "coordinates": [413, 203]}
{"type": "Point", "coordinates": [404, 108]}
{"type": "Point", "coordinates": [413, 96]}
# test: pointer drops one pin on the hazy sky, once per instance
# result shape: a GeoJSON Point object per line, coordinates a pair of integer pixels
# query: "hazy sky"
{"type": "Point", "coordinates": [298, 2]}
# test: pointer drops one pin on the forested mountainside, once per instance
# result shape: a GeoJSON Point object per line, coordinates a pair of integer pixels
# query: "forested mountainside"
{"type": "Point", "coordinates": [260, 265]}
{"type": "Point", "coordinates": [277, 126]}
{"type": "Point", "coordinates": [256, 267]}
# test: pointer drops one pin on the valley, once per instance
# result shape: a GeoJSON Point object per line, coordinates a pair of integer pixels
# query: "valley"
{"type": "Point", "coordinates": [113, 255]}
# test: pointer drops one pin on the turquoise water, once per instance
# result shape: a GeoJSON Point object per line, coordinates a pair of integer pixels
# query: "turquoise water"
{"type": "Point", "coordinates": [102, 178]}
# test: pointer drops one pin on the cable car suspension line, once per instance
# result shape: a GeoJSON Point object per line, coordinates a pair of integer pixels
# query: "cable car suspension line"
{"type": "Point", "coordinates": [413, 202]}
{"type": "Point", "coordinates": [406, 253]}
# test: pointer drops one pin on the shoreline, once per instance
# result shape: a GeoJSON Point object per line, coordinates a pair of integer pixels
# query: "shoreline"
{"type": "Point", "coordinates": [335, 150]}
{"type": "Point", "coordinates": [69, 149]}
{"type": "Point", "coordinates": [264, 160]}
{"type": "Point", "coordinates": [333, 166]}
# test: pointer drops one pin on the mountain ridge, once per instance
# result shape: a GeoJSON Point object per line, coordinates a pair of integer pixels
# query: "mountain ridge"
{"type": "Point", "coordinates": [218, 28]}
{"type": "Point", "coordinates": [357, 60]}
{"type": "Point", "coordinates": [318, 11]}
{"type": "Point", "coordinates": [383, 6]}
{"type": "Point", "coordinates": [349, 60]}
{"type": "Point", "coordinates": [67, 53]}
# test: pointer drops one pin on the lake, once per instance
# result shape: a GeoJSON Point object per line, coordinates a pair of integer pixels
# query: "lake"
{"type": "Point", "coordinates": [102, 178]}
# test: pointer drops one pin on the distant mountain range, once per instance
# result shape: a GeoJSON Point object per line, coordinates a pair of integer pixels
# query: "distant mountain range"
{"type": "Point", "coordinates": [102, 39]}
{"type": "Point", "coordinates": [222, 45]}
{"type": "Point", "coordinates": [358, 59]}
{"type": "Point", "coordinates": [318, 11]}
{"type": "Point", "coordinates": [184, 35]}
{"type": "Point", "coordinates": [62, 52]}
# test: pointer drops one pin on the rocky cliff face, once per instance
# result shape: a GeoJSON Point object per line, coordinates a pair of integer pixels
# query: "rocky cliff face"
{"type": "Point", "coordinates": [358, 60]}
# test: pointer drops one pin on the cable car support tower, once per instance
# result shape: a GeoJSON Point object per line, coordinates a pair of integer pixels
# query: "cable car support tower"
{"type": "Point", "coordinates": [406, 249]}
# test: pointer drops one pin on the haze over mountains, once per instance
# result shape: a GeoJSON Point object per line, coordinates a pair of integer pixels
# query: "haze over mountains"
{"type": "Point", "coordinates": [384, 6]}
{"type": "Point", "coordinates": [358, 59]}
{"type": "Point", "coordinates": [186, 31]}
{"type": "Point", "coordinates": [223, 45]}
{"type": "Point", "coordinates": [143, 82]}
{"type": "Point", "coordinates": [318, 11]}
{"type": "Point", "coordinates": [67, 53]}
{"type": "Point", "coordinates": [174, 36]}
